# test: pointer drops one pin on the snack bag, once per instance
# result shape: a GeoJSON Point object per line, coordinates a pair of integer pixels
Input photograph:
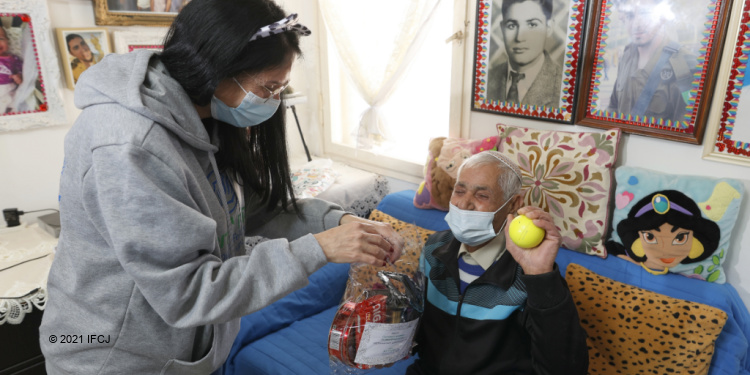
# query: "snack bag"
{"type": "Point", "coordinates": [378, 316]}
{"type": "Point", "coordinates": [379, 313]}
{"type": "Point", "coordinates": [380, 310]}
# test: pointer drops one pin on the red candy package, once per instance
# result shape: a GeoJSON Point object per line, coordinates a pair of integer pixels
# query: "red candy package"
{"type": "Point", "coordinates": [348, 325]}
{"type": "Point", "coordinates": [376, 321]}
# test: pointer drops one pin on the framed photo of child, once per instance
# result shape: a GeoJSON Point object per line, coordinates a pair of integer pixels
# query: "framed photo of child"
{"type": "Point", "coordinates": [29, 73]}
{"type": "Point", "coordinates": [81, 49]}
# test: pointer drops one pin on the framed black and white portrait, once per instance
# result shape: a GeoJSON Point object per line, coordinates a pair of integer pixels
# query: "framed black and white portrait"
{"type": "Point", "coordinates": [527, 57]}
{"type": "Point", "coordinates": [652, 66]}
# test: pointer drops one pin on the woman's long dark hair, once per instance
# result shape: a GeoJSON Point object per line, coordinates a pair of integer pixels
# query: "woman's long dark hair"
{"type": "Point", "coordinates": [208, 42]}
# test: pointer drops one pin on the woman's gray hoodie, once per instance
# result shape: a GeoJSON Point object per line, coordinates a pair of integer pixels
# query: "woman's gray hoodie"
{"type": "Point", "coordinates": [150, 274]}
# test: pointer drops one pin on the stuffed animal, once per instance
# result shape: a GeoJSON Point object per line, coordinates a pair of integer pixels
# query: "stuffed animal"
{"type": "Point", "coordinates": [423, 198]}
{"type": "Point", "coordinates": [442, 188]}
{"type": "Point", "coordinates": [453, 154]}
{"type": "Point", "coordinates": [445, 157]}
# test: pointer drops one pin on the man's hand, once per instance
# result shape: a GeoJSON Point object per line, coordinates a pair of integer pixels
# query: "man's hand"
{"type": "Point", "coordinates": [358, 240]}
{"type": "Point", "coordinates": [540, 259]}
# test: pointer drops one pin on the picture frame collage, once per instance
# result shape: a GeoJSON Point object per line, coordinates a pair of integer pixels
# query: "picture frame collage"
{"type": "Point", "coordinates": [648, 67]}
{"type": "Point", "coordinates": [656, 68]}
{"type": "Point", "coordinates": [92, 44]}
{"type": "Point", "coordinates": [147, 22]}
{"type": "Point", "coordinates": [30, 95]}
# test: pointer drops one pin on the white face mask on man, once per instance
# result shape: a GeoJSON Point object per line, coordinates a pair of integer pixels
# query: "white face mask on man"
{"type": "Point", "coordinates": [473, 227]}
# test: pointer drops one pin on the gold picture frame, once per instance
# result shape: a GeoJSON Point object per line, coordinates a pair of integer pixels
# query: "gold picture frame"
{"type": "Point", "coordinates": [127, 13]}
{"type": "Point", "coordinates": [79, 49]}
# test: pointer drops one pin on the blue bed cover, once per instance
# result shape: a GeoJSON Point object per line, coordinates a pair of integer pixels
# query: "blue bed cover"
{"type": "Point", "coordinates": [262, 347]}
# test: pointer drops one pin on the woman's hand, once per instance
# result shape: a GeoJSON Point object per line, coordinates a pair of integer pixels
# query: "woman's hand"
{"type": "Point", "coordinates": [358, 240]}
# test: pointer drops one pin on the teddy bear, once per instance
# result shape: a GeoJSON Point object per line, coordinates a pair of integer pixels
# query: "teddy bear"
{"type": "Point", "coordinates": [451, 156]}
{"type": "Point", "coordinates": [445, 157]}
{"type": "Point", "coordinates": [424, 198]}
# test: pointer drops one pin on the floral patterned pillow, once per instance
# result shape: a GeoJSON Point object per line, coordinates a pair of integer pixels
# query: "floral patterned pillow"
{"type": "Point", "coordinates": [569, 175]}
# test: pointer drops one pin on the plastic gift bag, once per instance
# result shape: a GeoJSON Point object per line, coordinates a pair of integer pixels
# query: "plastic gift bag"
{"type": "Point", "coordinates": [381, 307]}
{"type": "Point", "coordinates": [376, 326]}
{"type": "Point", "coordinates": [378, 316]}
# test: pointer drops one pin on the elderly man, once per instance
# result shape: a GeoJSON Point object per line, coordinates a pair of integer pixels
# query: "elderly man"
{"type": "Point", "coordinates": [492, 307]}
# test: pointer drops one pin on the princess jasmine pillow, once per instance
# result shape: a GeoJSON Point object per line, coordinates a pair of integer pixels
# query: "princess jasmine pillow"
{"type": "Point", "coordinates": [674, 223]}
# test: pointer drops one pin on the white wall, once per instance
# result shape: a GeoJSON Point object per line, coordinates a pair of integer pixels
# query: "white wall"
{"type": "Point", "coordinates": [31, 161]}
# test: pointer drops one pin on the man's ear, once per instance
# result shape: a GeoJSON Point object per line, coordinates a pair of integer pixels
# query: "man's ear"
{"type": "Point", "coordinates": [516, 203]}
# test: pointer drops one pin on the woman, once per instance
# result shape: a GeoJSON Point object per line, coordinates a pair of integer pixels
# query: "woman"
{"type": "Point", "coordinates": [151, 274]}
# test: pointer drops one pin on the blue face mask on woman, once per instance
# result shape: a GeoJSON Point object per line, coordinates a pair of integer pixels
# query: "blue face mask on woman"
{"type": "Point", "coordinates": [473, 227]}
{"type": "Point", "coordinates": [253, 110]}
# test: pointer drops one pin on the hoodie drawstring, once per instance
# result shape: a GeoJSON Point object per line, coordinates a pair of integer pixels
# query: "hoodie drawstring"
{"type": "Point", "coordinates": [222, 195]}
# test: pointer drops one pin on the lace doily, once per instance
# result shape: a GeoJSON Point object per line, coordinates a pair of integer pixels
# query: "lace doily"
{"type": "Point", "coordinates": [362, 207]}
{"type": "Point", "coordinates": [14, 310]}
{"type": "Point", "coordinates": [26, 254]}
{"type": "Point", "coordinates": [10, 256]}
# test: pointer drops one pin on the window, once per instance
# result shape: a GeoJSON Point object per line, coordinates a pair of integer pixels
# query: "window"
{"type": "Point", "coordinates": [422, 103]}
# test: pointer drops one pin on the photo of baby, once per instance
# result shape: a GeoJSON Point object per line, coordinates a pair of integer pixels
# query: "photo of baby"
{"type": "Point", "coordinates": [11, 72]}
{"type": "Point", "coordinates": [20, 85]}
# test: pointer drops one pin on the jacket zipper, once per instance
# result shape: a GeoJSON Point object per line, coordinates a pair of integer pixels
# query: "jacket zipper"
{"type": "Point", "coordinates": [455, 327]}
{"type": "Point", "coordinates": [458, 311]}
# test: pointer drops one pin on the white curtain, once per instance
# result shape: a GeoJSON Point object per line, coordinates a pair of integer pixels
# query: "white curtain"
{"type": "Point", "coordinates": [376, 41]}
